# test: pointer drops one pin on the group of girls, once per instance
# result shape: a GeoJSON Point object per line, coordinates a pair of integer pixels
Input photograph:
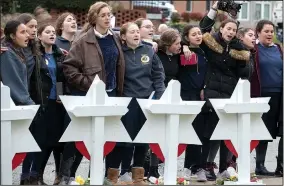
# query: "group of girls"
{"type": "Point", "coordinates": [42, 63]}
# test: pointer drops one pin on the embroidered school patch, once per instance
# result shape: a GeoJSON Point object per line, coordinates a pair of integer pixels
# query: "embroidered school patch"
{"type": "Point", "coordinates": [145, 59]}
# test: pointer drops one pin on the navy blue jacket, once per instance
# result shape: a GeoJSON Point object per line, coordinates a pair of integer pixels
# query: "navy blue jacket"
{"type": "Point", "coordinates": [144, 72]}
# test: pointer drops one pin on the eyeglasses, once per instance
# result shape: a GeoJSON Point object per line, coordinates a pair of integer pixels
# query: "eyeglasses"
{"type": "Point", "coordinates": [105, 15]}
{"type": "Point", "coordinates": [149, 27]}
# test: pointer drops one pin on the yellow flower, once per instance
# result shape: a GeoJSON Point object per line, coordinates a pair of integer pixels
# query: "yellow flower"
{"type": "Point", "coordinates": [80, 180]}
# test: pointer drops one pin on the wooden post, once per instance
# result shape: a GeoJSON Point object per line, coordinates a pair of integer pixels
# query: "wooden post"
{"type": "Point", "coordinates": [95, 119]}
{"type": "Point", "coordinates": [15, 134]}
{"type": "Point", "coordinates": [6, 140]}
{"type": "Point", "coordinates": [240, 121]}
{"type": "Point", "coordinates": [171, 118]}
{"type": "Point", "coordinates": [244, 138]}
{"type": "Point", "coordinates": [98, 139]}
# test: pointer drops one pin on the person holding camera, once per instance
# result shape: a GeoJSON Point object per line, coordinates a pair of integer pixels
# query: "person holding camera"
{"type": "Point", "coordinates": [227, 59]}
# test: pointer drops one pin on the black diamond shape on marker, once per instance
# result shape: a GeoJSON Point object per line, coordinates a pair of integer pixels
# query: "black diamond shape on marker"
{"type": "Point", "coordinates": [134, 119]}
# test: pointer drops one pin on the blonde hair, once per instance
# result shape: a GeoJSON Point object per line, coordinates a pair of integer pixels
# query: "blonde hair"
{"type": "Point", "coordinates": [139, 21]}
{"type": "Point", "coordinates": [168, 38]}
{"type": "Point", "coordinates": [60, 20]}
{"type": "Point", "coordinates": [124, 29]}
{"type": "Point", "coordinates": [93, 14]}
{"type": "Point", "coordinates": [162, 28]}
{"type": "Point", "coordinates": [242, 32]}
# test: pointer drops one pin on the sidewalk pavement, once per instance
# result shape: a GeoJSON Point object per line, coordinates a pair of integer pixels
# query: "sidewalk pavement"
{"type": "Point", "coordinates": [83, 169]}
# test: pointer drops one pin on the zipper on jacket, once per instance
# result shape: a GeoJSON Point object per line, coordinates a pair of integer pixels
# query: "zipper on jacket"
{"type": "Point", "coordinates": [197, 63]}
{"type": "Point", "coordinates": [220, 86]}
{"type": "Point", "coordinates": [197, 66]}
{"type": "Point", "coordinates": [134, 55]}
{"type": "Point", "coordinates": [227, 49]}
{"type": "Point", "coordinates": [39, 81]}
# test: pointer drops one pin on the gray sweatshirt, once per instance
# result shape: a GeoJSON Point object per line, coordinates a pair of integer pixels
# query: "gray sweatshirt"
{"type": "Point", "coordinates": [144, 72]}
{"type": "Point", "coordinates": [14, 75]}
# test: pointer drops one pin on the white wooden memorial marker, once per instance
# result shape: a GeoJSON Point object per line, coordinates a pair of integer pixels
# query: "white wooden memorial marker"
{"type": "Point", "coordinates": [169, 123]}
{"type": "Point", "coordinates": [240, 121]}
{"type": "Point", "coordinates": [95, 119]}
{"type": "Point", "coordinates": [15, 134]}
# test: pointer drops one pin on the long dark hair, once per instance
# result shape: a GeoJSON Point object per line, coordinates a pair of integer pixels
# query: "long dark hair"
{"type": "Point", "coordinates": [11, 29]}
{"type": "Point", "coordinates": [39, 31]}
{"type": "Point", "coordinates": [185, 32]}
{"type": "Point", "coordinates": [25, 18]}
{"type": "Point", "coordinates": [55, 48]}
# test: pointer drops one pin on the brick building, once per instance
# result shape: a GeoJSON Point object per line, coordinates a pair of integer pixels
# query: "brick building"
{"type": "Point", "coordinates": [250, 13]}
{"type": "Point", "coordinates": [181, 6]}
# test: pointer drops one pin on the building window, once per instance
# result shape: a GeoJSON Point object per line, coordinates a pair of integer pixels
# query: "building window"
{"type": "Point", "coordinates": [263, 10]}
{"type": "Point", "coordinates": [257, 11]}
{"type": "Point", "coordinates": [244, 11]}
{"type": "Point", "coordinates": [266, 11]}
{"type": "Point", "coordinates": [188, 5]}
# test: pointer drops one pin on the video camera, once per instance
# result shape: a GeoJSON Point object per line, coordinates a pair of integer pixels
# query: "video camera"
{"type": "Point", "coordinates": [229, 6]}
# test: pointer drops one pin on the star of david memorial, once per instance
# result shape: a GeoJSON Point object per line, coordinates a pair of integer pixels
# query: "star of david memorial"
{"type": "Point", "coordinates": [96, 119]}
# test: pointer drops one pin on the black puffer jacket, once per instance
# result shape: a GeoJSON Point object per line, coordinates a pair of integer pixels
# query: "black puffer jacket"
{"type": "Point", "coordinates": [41, 82]}
{"type": "Point", "coordinates": [226, 63]}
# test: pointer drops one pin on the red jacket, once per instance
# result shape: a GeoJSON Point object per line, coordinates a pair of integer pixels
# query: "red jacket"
{"type": "Point", "coordinates": [255, 79]}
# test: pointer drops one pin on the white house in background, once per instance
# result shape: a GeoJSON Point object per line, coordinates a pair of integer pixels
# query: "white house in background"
{"type": "Point", "coordinates": [277, 12]}
{"type": "Point", "coordinates": [253, 11]}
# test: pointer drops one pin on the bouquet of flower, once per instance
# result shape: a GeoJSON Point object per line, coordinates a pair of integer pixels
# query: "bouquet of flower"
{"type": "Point", "coordinates": [180, 181]}
{"type": "Point", "coordinates": [254, 178]}
{"type": "Point", "coordinates": [78, 181]}
{"type": "Point", "coordinates": [235, 179]}
{"type": "Point", "coordinates": [221, 181]}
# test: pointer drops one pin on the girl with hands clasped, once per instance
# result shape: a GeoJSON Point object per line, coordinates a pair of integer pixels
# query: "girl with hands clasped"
{"type": "Point", "coordinates": [144, 74]}
{"type": "Point", "coordinates": [96, 51]}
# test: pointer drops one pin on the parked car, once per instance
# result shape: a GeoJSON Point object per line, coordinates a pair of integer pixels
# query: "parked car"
{"type": "Point", "coordinates": [165, 6]}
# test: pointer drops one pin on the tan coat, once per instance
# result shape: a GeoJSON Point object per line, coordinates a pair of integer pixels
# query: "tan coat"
{"type": "Point", "coordinates": [85, 61]}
